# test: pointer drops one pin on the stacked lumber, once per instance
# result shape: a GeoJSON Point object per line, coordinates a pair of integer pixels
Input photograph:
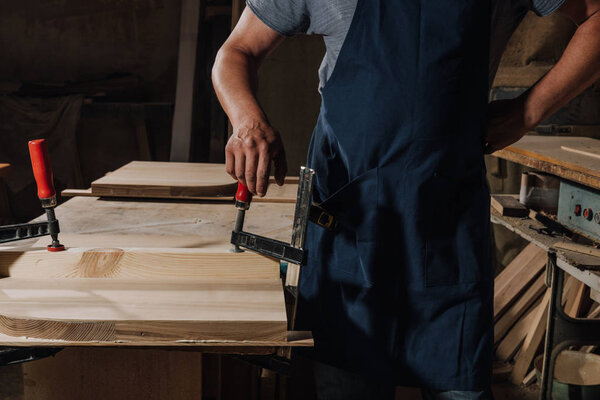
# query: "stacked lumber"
{"type": "Point", "coordinates": [521, 301]}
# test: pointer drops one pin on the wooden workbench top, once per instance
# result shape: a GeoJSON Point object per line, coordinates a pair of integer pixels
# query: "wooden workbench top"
{"type": "Point", "coordinates": [164, 253]}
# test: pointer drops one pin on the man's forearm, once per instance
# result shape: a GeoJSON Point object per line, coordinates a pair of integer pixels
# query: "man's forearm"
{"type": "Point", "coordinates": [235, 79]}
{"type": "Point", "coordinates": [577, 69]}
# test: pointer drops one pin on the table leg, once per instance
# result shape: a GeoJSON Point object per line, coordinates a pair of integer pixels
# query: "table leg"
{"type": "Point", "coordinates": [562, 330]}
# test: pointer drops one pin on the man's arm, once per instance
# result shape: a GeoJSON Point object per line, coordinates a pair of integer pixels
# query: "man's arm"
{"type": "Point", "coordinates": [254, 143]}
{"type": "Point", "coordinates": [578, 68]}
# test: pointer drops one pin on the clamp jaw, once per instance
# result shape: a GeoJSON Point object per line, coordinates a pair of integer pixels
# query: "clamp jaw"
{"type": "Point", "coordinates": [40, 162]}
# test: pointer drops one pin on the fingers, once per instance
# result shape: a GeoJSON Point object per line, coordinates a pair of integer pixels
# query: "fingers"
{"type": "Point", "coordinates": [280, 166]}
{"type": "Point", "coordinates": [250, 171]}
{"type": "Point", "coordinates": [230, 164]}
{"type": "Point", "coordinates": [263, 171]}
{"type": "Point", "coordinates": [240, 168]}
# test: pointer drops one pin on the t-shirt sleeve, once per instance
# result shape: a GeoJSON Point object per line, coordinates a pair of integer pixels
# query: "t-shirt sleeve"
{"type": "Point", "coordinates": [545, 7]}
{"type": "Point", "coordinates": [286, 17]}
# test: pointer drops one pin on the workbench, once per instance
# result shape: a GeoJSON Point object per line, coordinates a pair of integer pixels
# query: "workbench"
{"type": "Point", "coordinates": [546, 154]}
{"type": "Point", "coordinates": [102, 222]}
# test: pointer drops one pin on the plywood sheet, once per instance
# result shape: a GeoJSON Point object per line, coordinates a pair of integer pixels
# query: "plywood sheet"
{"type": "Point", "coordinates": [555, 155]}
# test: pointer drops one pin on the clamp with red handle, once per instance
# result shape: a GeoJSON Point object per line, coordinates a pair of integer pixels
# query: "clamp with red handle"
{"type": "Point", "coordinates": [42, 171]}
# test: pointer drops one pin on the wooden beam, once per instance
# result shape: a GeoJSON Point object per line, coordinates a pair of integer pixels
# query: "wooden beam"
{"type": "Point", "coordinates": [512, 315]}
{"type": "Point", "coordinates": [516, 277]}
{"type": "Point", "coordinates": [510, 344]}
{"type": "Point", "coordinates": [181, 134]}
{"type": "Point", "coordinates": [535, 335]}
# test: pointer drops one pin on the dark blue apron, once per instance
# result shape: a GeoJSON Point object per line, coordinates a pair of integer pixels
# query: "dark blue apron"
{"type": "Point", "coordinates": [403, 291]}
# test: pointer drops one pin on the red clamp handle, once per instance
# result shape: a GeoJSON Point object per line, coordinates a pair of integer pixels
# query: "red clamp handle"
{"type": "Point", "coordinates": [243, 197]}
{"type": "Point", "coordinates": [40, 162]}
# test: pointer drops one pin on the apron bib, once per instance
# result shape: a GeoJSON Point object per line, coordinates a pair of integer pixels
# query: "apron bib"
{"type": "Point", "coordinates": [403, 291]}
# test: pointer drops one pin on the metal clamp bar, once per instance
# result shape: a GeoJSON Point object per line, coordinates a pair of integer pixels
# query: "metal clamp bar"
{"type": "Point", "coordinates": [270, 247]}
{"type": "Point", "coordinates": [10, 233]}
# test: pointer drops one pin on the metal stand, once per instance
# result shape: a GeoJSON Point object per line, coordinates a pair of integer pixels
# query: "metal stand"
{"type": "Point", "coordinates": [562, 331]}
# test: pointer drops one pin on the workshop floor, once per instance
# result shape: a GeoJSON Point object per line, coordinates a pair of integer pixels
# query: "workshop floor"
{"type": "Point", "coordinates": [11, 388]}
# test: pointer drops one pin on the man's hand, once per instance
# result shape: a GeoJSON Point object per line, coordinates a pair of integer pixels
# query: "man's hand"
{"type": "Point", "coordinates": [249, 153]}
{"type": "Point", "coordinates": [506, 123]}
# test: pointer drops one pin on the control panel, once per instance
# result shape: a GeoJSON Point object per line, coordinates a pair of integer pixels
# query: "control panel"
{"type": "Point", "coordinates": [579, 209]}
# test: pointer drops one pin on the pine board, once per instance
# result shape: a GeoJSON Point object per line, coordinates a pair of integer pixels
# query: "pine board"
{"type": "Point", "coordinates": [152, 267]}
{"type": "Point", "coordinates": [142, 263]}
{"type": "Point", "coordinates": [165, 179]}
{"type": "Point", "coordinates": [549, 154]}
{"type": "Point", "coordinates": [516, 277]}
{"type": "Point", "coordinates": [120, 310]}
{"type": "Point", "coordinates": [535, 335]}
{"type": "Point", "coordinates": [172, 180]}
{"type": "Point", "coordinates": [524, 302]}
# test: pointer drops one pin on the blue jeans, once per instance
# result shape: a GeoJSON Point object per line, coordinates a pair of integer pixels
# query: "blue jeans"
{"type": "Point", "coordinates": [332, 383]}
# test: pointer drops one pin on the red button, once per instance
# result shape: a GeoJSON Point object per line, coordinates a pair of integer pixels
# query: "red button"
{"type": "Point", "coordinates": [588, 214]}
{"type": "Point", "coordinates": [578, 210]}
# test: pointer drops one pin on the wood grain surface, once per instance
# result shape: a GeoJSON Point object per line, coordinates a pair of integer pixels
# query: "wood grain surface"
{"type": "Point", "coordinates": [166, 179]}
{"type": "Point", "coordinates": [120, 310]}
{"type": "Point", "coordinates": [147, 273]}
{"type": "Point", "coordinates": [550, 154]}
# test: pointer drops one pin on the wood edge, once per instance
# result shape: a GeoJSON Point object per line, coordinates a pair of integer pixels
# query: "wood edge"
{"type": "Point", "coordinates": [533, 160]}
{"type": "Point", "coordinates": [77, 192]}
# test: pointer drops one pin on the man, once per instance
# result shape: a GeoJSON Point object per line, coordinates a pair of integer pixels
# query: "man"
{"type": "Point", "coordinates": [402, 292]}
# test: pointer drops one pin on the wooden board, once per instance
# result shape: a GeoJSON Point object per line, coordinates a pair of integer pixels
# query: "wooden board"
{"type": "Point", "coordinates": [546, 153]}
{"type": "Point", "coordinates": [142, 263]}
{"type": "Point", "coordinates": [510, 344]}
{"type": "Point", "coordinates": [535, 335]}
{"type": "Point", "coordinates": [149, 311]}
{"type": "Point", "coordinates": [166, 179]}
{"type": "Point", "coordinates": [523, 303]}
{"type": "Point", "coordinates": [130, 280]}
{"type": "Point", "coordinates": [275, 194]}
{"type": "Point", "coordinates": [517, 276]}
{"type": "Point", "coordinates": [508, 205]}
{"type": "Point", "coordinates": [585, 149]}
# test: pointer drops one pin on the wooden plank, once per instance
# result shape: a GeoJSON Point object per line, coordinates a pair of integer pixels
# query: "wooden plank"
{"type": "Point", "coordinates": [160, 179]}
{"type": "Point", "coordinates": [579, 248]}
{"type": "Point", "coordinates": [142, 263]}
{"type": "Point", "coordinates": [192, 181]}
{"type": "Point", "coordinates": [516, 277]}
{"type": "Point", "coordinates": [546, 153]}
{"type": "Point", "coordinates": [510, 344]}
{"type": "Point", "coordinates": [125, 310]}
{"type": "Point", "coordinates": [535, 335]}
{"type": "Point", "coordinates": [584, 149]}
{"type": "Point", "coordinates": [512, 315]}
{"type": "Point", "coordinates": [577, 301]}
{"type": "Point", "coordinates": [508, 205]}
{"type": "Point", "coordinates": [181, 133]}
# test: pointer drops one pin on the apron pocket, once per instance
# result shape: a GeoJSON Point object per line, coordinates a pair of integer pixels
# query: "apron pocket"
{"type": "Point", "coordinates": [445, 207]}
{"type": "Point", "coordinates": [354, 207]}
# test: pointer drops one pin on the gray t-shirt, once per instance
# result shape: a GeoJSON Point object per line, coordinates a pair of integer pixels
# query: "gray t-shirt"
{"type": "Point", "coordinates": [332, 19]}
